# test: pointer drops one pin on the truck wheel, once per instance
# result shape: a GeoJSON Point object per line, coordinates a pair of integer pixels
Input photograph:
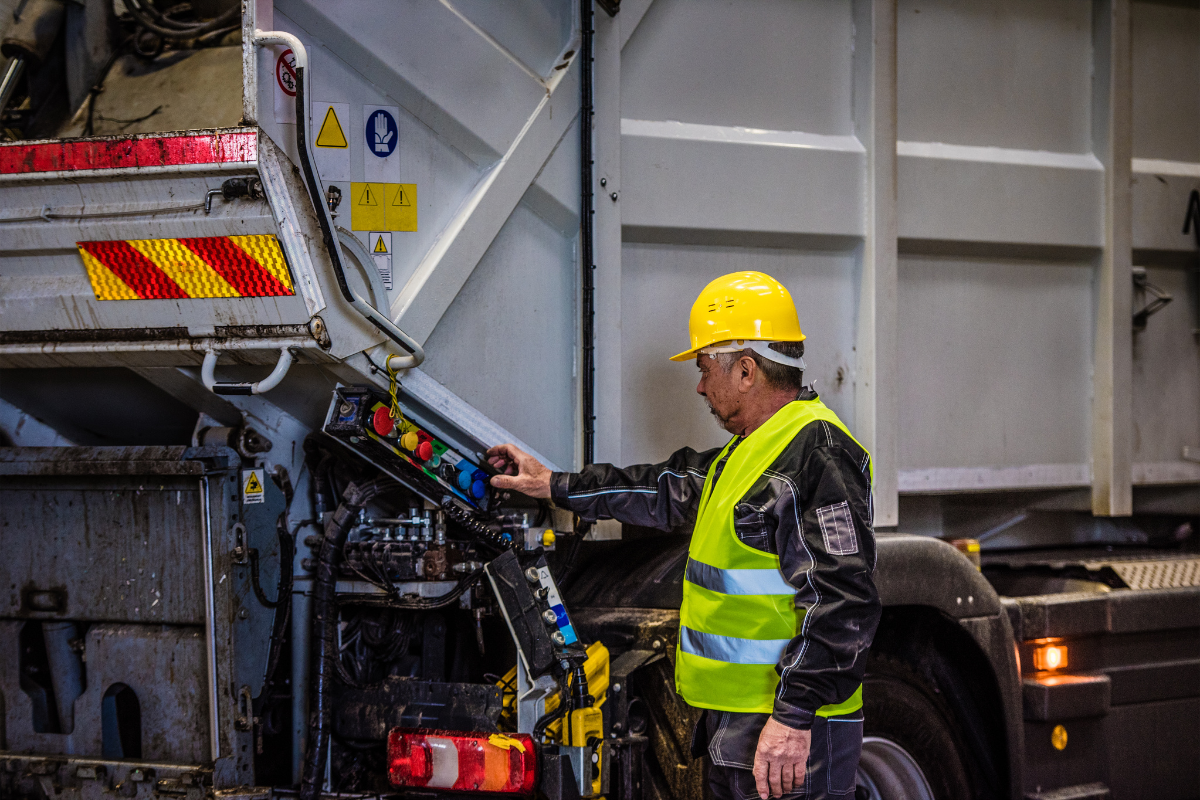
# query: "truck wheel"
{"type": "Point", "coordinates": [909, 750]}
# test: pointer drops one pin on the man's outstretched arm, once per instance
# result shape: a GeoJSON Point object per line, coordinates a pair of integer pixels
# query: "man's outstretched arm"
{"type": "Point", "coordinates": [663, 496]}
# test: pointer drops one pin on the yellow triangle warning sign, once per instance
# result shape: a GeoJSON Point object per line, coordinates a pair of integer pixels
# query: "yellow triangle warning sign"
{"type": "Point", "coordinates": [401, 199]}
{"type": "Point", "coordinates": [368, 197]}
{"type": "Point", "coordinates": [380, 247]}
{"type": "Point", "coordinates": [331, 132]}
{"type": "Point", "coordinates": [253, 486]}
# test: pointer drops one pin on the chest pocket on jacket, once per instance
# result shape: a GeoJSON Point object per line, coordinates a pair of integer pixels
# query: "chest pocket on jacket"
{"type": "Point", "coordinates": [751, 526]}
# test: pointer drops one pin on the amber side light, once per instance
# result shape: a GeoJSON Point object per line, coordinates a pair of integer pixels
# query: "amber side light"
{"type": "Point", "coordinates": [1049, 657]}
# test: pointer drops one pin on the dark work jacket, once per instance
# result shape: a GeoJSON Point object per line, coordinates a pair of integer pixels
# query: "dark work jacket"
{"type": "Point", "coordinates": [812, 508]}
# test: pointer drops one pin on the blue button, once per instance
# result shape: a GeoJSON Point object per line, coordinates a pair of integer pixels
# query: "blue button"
{"type": "Point", "coordinates": [478, 489]}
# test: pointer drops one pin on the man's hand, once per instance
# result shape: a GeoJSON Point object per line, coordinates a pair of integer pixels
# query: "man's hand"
{"type": "Point", "coordinates": [522, 472]}
{"type": "Point", "coordinates": [781, 759]}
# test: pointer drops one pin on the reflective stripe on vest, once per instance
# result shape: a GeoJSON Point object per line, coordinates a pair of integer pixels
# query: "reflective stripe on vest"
{"type": "Point", "coordinates": [739, 614]}
{"type": "Point", "coordinates": [738, 581]}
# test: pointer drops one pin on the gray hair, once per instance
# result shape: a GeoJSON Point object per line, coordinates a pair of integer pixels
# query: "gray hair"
{"type": "Point", "coordinates": [777, 376]}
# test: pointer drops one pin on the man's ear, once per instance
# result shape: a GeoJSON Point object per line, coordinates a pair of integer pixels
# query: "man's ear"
{"type": "Point", "coordinates": [749, 372]}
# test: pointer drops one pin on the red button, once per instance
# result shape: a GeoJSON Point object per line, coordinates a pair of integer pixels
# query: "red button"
{"type": "Point", "coordinates": [382, 422]}
{"type": "Point", "coordinates": [424, 451]}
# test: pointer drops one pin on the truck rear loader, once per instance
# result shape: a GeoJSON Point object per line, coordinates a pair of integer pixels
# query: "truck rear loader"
{"type": "Point", "coordinates": [275, 275]}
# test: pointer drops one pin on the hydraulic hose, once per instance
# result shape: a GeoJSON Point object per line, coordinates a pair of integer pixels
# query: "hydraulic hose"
{"type": "Point", "coordinates": [324, 625]}
{"type": "Point", "coordinates": [156, 22]}
{"type": "Point", "coordinates": [481, 532]}
{"type": "Point", "coordinates": [314, 194]}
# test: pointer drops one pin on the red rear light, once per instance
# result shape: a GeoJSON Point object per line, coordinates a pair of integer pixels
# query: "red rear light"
{"type": "Point", "coordinates": [465, 762]}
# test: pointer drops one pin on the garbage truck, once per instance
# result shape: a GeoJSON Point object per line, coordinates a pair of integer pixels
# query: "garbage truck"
{"type": "Point", "coordinates": [274, 276]}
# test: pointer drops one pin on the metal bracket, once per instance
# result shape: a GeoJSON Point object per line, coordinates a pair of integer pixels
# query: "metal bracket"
{"type": "Point", "coordinates": [265, 385]}
{"type": "Point", "coordinates": [1141, 283]}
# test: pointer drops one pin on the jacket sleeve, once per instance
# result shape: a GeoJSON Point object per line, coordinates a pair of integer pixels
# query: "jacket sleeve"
{"type": "Point", "coordinates": [663, 496]}
{"type": "Point", "coordinates": [824, 537]}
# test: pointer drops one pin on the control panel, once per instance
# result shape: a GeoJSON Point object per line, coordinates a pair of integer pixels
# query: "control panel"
{"type": "Point", "coordinates": [530, 603]}
{"type": "Point", "coordinates": [368, 422]}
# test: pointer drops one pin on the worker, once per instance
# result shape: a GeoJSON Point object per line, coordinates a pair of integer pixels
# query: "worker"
{"type": "Point", "coordinates": [779, 603]}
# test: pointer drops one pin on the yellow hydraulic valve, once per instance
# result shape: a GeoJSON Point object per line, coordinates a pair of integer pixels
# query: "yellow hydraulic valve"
{"type": "Point", "coordinates": [583, 724]}
{"type": "Point", "coordinates": [587, 725]}
{"type": "Point", "coordinates": [596, 669]}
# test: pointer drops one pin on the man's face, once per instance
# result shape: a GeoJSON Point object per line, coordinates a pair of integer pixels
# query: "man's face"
{"type": "Point", "coordinates": [720, 388]}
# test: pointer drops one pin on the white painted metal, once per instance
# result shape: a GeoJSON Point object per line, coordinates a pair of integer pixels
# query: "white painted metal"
{"type": "Point", "coordinates": [954, 192]}
{"type": "Point", "coordinates": [209, 379]}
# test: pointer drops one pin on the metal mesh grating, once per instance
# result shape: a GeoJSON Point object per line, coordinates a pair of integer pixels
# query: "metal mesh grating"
{"type": "Point", "coordinates": [1172, 574]}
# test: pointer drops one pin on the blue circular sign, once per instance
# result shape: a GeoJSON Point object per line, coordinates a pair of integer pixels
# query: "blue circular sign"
{"type": "Point", "coordinates": [381, 133]}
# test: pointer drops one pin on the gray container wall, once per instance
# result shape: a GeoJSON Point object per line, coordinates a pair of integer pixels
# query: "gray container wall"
{"type": "Point", "coordinates": [955, 193]}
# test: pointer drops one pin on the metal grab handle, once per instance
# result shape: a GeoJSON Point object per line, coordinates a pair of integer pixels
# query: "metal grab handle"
{"type": "Point", "coordinates": [359, 251]}
{"type": "Point", "coordinates": [265, 385]}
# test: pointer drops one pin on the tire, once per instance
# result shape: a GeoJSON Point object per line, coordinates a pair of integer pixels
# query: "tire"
{"type": "Point", "coordinates": [910, 749]}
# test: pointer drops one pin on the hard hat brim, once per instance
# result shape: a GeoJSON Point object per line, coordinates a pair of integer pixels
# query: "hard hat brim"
{"type": "Point", "coordinates": [686, 355]}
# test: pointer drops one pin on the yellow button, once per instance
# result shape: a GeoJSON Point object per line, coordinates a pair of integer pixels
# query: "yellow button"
{"type": "Point", "coordinates": [410, 440]}
{"type": "Point", "coordinates": [1058, 737]}
{"type": "Point", "coordinates": [548, 539]}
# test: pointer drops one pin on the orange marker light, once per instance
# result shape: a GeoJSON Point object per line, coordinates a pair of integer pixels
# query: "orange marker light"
{"type": "Point", "coordinates": [1050, 657]}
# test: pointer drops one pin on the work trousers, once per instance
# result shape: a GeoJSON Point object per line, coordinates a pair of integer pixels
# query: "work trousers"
{"type": "Point", "coordinates": [832, 763]}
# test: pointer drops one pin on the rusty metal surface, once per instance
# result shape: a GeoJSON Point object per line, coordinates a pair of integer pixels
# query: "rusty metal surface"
{"type": "Point", "coordinates": [149, 334]}
{"type": "Point", "coordinates": [75, 778]}
{"type": "Point", "coordinates": [102, 548]}
{"type": "Point", "coordinates": [164, 666]}
{"type": "Point", "coordinates": [48, 461]}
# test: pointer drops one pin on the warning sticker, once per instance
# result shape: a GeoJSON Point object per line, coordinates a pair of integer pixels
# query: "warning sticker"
{"type": "Point", "coordinates": [381, 156]}
{"type": "Point", "coordinates": [253, 490]}
{"type": "Point", "coordinates": [401, 212]}
{"type": "Point", "coordinates": [366, 211]}
{"type": "Point", "coordinates": [381, 251]}
{"type": "Point", "coordinates": [383, 207]}
{"type": "Point", "coordinates": [330, 143]}
{"type": "Point", "coordinates": [285, 87]}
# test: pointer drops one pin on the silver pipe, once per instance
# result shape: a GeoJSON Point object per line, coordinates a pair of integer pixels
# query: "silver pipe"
{"type": "Point", "coordinates": [210, 625]}
{"type": "Point", "coordinates": [66, 670]}
{"type": "Point", "coordinates": [8, 83]}
{"type": "Point", "coordinates": [359, 251]}
{"type": "Point", "coordinates": [301, 634]}
{"type": "Point", "coordinates": [354, 299]}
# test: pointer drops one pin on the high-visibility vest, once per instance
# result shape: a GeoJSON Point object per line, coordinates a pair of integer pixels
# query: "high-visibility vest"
{"type": "Point", "coordinates": [738, 613]}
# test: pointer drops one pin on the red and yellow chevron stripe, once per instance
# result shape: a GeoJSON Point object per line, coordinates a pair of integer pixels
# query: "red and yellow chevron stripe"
{"type": "Point", "coordinates": [206, 266]}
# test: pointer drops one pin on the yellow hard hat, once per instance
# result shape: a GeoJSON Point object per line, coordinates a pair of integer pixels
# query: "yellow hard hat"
{"type": "Point", "coordinates": [742, 305]}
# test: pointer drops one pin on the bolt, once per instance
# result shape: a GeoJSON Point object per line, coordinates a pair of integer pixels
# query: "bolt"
{"type": "Point", "coordinates": [616, 688]}
{"type": "Point", "coordinates": [656, 644]}
{"type": "Point", "coordinates": [613, 197]}
{"type": "Point", "coordinates": [345, 408]}
{"type": "Point", "coordinates": [243, 613]}
{"type": "Point", "coordinates": [604, 181]}
{"type": "Point", "coordinates": [549, 616]}
{"type": "Point", "coordinates": [532, 576]}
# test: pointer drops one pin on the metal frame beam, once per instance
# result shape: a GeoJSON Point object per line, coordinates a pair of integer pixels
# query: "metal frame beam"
{"type": "Point", "coordinates": [610, 36]}
{"type": "Point", "coordinates": [876, 413]}
{"type": "Point", "coordinates": [461, 244]}
{"type": "Point", "coordinates": [1112, 141]}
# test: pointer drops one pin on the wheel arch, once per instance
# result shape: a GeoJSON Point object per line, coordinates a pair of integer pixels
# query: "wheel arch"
{"type": "Point", "coordinates": [941, 616]}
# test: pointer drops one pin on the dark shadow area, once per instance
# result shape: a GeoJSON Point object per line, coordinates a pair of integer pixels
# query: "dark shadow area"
{"type": "Point", "coordinates": [99, 406]}
{"type": "Point", "coordinates": [121, 722]}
